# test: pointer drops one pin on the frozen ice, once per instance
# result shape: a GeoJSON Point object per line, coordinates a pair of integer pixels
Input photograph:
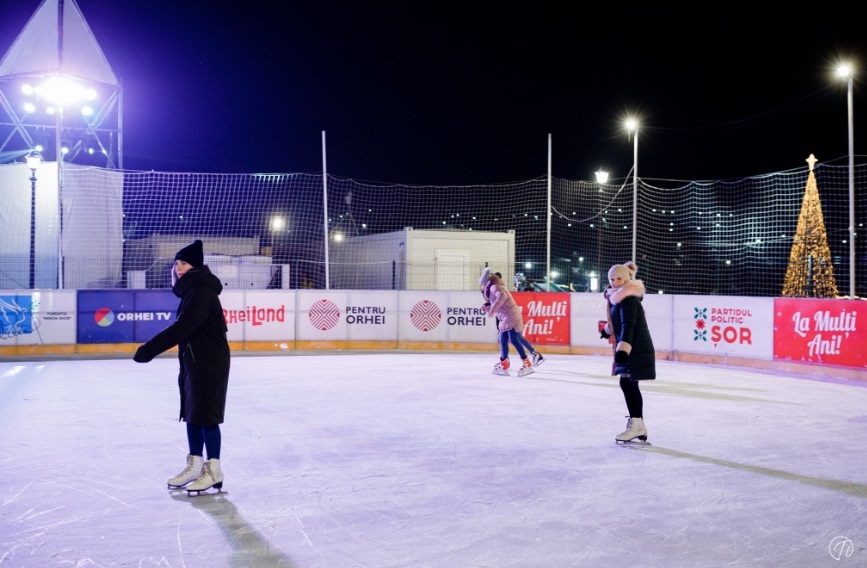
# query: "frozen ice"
{"type": "Point", "coordinates": [400, 459]}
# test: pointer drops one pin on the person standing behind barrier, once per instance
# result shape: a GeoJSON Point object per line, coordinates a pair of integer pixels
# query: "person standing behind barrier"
{"type": "Point", "coordinates": [634, 354]}
{"type": "Point", "coordinates": [199, 331]}
{"type": "Point", "coordinates": [499, 303]}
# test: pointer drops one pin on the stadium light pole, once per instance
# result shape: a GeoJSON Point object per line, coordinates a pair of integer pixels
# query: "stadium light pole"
{"type": "Point", "coordinates": [601, 179]}
{"type": "Point", "coordinates": [34, 160]}
{"type": "Point", "coordinates": [548, 225]}
{"type": "Point", "coordinates": [845, 71]}
{"type": "Point", "coordinates": [60, 91]}
{"type": "Point", "coordinates": [632, 127]}
{"type": "Point", "coordinates": [58, 148]}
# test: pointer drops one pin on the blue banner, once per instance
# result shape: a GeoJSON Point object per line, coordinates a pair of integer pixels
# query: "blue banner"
{"type": "Point", "coordinates": [16, 315]}
{"type": "Point", "coordinates": [128, 316]}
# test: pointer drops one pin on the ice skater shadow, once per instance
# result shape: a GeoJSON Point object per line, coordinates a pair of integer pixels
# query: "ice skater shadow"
{"type": "Point", "coordinates": [847, 487]}
{"type": "Point", "coordinates": [249, 547]}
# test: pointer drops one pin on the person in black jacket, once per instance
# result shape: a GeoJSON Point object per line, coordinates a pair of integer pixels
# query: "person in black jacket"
{"type": "Point", "coordinates": [199, 332]}
{"type": "Point", "coordinates": [634, 354]}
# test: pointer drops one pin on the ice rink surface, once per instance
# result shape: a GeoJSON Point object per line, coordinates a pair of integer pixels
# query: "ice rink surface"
{"type": "Point", "coordinates": [366, 460]}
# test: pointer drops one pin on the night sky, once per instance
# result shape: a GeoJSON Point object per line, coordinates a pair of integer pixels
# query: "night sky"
{"type": "Point", "coordinates": [442, 93]}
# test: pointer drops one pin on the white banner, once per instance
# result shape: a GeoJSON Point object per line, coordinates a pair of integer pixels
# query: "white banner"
{"type": "Point", "coordinates": [735, 326]}
{"type": "Point", "coordinates": [261, 315]}
{"type": "Point", "coordinates": [423, 315]}
{"type": "Point", "coordinates": [588, 309]}
{"type": "Point", "coordinates": [38, 317]}
{"type": "Point", "coordinates": [322, 315]}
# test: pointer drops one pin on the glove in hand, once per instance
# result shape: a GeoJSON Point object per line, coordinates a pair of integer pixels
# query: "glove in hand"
{"type": "Point", "coordinates": [621, 357]}
{"type": "Point", "coordinates": [604, 334]}
{"type": "Point", "coordinates": [140, 356]}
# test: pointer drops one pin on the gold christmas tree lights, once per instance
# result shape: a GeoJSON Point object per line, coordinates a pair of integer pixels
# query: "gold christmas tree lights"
{"type": "Point", "coordinates": [810, 273]}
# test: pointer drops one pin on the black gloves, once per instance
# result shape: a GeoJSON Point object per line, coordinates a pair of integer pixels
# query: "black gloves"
{"type": "Point", "coordinates": [621, 357]}
{"type": "Point", "coordinates": [140, 356]}
{"type": "Point", "coordinates": [604, 334]}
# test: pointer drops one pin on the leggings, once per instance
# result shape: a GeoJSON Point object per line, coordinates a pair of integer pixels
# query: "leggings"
{"type": "Point", "coordinates": [526, 343]}
{"type": "Point", "coordinates": [632, 394]}
{"type": "Point", "coordinates": [204, 437]}
{"type": "Point", "coordinates": [505, 338]}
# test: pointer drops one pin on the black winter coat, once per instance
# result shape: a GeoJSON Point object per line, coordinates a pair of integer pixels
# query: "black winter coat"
{"type": "Point", "coordinates": [199, 331]}
{"type": "Point", "coordinates": [630, 331]}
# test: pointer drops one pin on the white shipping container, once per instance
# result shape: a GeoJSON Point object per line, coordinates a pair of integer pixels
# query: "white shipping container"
{"type": "Point", "coordinates": [420, 260]}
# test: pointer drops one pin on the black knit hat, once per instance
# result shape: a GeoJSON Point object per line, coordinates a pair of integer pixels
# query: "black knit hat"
{"type": "Point", "coordinates": [193, 254]}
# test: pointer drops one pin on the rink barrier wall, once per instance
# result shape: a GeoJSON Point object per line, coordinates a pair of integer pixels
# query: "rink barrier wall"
{"type": "Point", "coordinates": [815, 337]}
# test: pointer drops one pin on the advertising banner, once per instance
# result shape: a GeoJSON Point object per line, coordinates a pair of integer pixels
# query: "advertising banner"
{"type": "Point", "coordinates": [123, 316]}
{"type": "Point", "coordinates": [347, 315]}
{"type": "Point", "coordinates": [37, 317]}
{"type": "Point", "coordinates": [800, 330]}
{"type": "Point", "coordinates": [658, 309]}
{"type": "Point", "coordinates": [546, 317]}
{"type": "Point", "coordinates": [587, 309]}
{"type": "Point", "coordinates": [734, 326]}
{"type": "Point", "coordinates": [371, 315]}
{"type": "Point", "coordinates": [261, 315]}
{"type": "Point", "coordinates": [321, 315]}
{"type": "Point", "coordinates": [820, 331]}
{"type": "Point", "coordinates": [445, 316]}
{"type": "Point", "coordinates": [590, 310]}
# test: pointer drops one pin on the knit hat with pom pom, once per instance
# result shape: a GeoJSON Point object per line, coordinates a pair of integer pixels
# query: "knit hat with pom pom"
{"type": "Point", "coordinates": [486, 275]}
{"type": "Point", "coordinates": [626, 271]}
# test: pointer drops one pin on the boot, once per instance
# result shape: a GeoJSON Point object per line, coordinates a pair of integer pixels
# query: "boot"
{"type": "Point", "coordinates": [526, 369]}
{"type": "Point", "coordinates": [191, 473]}
{"type": "Point", "coordinates": [502, 368]}
{"type": "Point", "coordinates": [635, 428]}
{"type": "Point", "coordinates": [212, 476]}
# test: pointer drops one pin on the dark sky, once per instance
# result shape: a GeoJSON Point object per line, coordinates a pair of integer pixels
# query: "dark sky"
{"type": "Point", "coordinates": [445, 93]}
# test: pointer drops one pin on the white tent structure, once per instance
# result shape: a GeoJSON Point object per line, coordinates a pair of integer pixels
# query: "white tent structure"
{"type": "Point", "coordinates": [57, 45]}
{"type": "Point", "coordinates": [62, 224]}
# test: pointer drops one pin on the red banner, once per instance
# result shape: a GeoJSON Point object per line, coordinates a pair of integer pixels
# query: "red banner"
{"type": "Point", "coordinates": [819, 331]}
{"type": "Point", "coordinates": [546, 317]}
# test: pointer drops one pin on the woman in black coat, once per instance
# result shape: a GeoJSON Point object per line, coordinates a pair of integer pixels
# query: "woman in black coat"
{"type": "Point", "coordinates": [634, 355]}
{"type": "Point", "coordinates": [199, 331]}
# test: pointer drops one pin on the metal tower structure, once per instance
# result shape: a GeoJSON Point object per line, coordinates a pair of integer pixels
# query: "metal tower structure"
{"type": "Point", "coordinates": [58, 92]}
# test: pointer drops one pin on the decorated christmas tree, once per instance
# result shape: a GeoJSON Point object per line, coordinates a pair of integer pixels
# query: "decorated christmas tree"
{"type": "Point", "coordinates": [810, 272]}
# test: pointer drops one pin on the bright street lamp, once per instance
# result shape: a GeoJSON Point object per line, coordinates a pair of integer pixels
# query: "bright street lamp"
{"type": "Point", "coordinates": [632, 127]}
{"type": "Point", "coordinates": [34, 160]}
{"type": "Point", "coordinates": [601, 179]}
{"type": "Point", "coordinates": [845, 71]}
{"type": "Point", "coordinates": [278, 223]}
